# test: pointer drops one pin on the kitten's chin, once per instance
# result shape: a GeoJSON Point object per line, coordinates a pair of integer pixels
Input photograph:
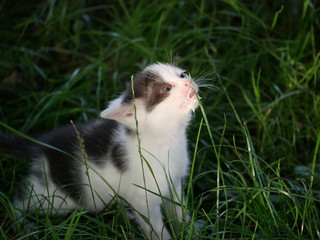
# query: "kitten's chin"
{"type": "Point", "coordinates": [195, 105]}
{"type": "Point", "coordinates": [191, 102]}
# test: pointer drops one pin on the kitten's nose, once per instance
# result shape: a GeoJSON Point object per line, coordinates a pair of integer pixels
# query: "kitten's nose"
{"type": "Point", "coordinates": [189, 84]}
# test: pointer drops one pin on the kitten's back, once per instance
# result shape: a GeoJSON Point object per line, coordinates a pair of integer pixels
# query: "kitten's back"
{"type": "Point", "coordinates": [15, 145]}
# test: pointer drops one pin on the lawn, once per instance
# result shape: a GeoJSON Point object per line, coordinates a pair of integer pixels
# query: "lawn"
{"type": "Point", "coordinates": [254, 142]}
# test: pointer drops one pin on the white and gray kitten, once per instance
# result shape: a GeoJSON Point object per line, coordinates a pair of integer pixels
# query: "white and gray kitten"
{"type": "Point", "coordinates": [116, 159]}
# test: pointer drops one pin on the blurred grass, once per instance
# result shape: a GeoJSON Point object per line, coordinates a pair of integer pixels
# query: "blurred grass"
{"type": "Point", "coordinates": [254, 173]}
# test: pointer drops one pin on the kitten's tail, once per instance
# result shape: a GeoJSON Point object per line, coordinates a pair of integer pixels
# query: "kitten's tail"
{"type": "Point", "coordinates": [15, 145]}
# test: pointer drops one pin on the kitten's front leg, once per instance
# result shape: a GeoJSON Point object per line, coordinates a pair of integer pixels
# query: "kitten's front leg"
{"type": "Point", "coordinates": [174, 207]}
{"type": "Point", "coordinates": [155, 228]}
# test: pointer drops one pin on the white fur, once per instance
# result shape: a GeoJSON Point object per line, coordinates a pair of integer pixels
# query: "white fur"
{"type": "Point", "coordinates": [159, 166]}
{"type": "Point", "coordinates": [47, 198]}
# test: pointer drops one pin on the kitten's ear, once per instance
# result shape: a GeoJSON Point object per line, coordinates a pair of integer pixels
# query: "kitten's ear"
{"type": "Point", "coordinates": [119, 111]}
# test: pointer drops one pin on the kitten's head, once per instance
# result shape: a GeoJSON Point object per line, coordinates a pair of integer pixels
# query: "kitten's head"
{"type": "Point", "coordinates": [161, 93]}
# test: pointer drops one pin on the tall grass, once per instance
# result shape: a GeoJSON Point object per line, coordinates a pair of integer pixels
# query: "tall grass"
{"type": "Point", "coordinates": [254, 143]}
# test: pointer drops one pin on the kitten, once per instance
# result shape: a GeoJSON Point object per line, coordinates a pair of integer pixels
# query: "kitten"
{"type": "Point", "coordinates": [140, 144]}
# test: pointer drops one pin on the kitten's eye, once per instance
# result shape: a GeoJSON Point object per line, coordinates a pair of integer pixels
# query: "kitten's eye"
{"type": "Point", "coordinates": [167, 88]}
{"type": "Point", "coordinates": [183, 75]}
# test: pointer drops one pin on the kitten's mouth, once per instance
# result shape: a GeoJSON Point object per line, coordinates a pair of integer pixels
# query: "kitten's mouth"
{"type": "Point", "coordinates": [191, 94]}
{"type": "Point", "coordinates": [191, 101]}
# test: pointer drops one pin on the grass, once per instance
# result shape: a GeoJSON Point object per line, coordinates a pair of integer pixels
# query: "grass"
{"type": "Point", "coordinates": [255, 143]}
